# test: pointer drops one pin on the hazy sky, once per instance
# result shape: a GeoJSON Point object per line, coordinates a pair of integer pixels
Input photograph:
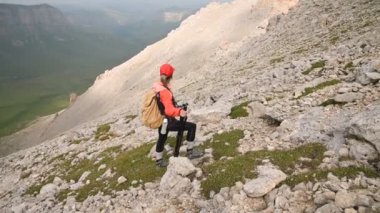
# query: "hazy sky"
{"type": "Point", "coordinates": [126, 3]}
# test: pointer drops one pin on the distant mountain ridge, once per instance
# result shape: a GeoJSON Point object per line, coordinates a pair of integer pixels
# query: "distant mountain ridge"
{"type": "Point", "coordinates": [30, 22]}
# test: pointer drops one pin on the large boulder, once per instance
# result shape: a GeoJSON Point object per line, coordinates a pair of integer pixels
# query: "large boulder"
{"type": "Point", "coordinates": [219, 111]}
{"type": "Point", "coordinates": [362, 151]}
{"type": "Point", "coordinates": [175, 181]}
{"type": "Point", "coordinates": [366, 125]}
{"type": "Point", "coordinates": [267, 180]}
{"type": "Point", "coordinates": [317, 124]}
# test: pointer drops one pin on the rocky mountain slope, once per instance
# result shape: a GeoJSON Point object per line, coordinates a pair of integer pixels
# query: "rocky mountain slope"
{"type": "Point", "coordinates": [288, 116]}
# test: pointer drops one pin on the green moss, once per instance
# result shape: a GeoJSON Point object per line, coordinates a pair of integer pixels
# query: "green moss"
{"type": "Point", "coordinates": [334, 39]}
{"type": "Point", "coordinates": [225, 144]}
{"type": "Point", "coordinates": [102, 133]}
{"type": "Point", "coordinates": [319, 64]}
{"type": "Point", "coordinates": [76, 141]}
{"type": "Point", "coordinates": [268, 99]}
{"type": "Point", "coordinates": [349, 66]}
{"type": "Point", "coordinates": [277, 60]}
{"type": "Point", "coordinates": [239, 110]}
{"type": "Point", "coordinates": [314, 176]}
{"type": "Point", "coordinates": [320, 86]}
{"type": "Point", "coordinates": [225, 173]}
{"type": "Point", "coordinates": [298, 51]}
{"type": "Point", "coordinates": [332, 102]}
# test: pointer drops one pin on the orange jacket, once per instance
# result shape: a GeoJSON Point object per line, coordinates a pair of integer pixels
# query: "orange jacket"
{"type": "Point", "coordinates": [166, 98]}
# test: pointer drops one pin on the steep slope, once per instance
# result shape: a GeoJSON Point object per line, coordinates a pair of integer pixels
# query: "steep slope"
{"type": "Point", "coordinates": [188, 48]}
{"type": "Point", "coordinates": [309, 142]}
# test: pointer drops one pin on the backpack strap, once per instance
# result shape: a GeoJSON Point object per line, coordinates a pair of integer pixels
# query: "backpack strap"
{"type": "Point", "coordinates": [161, 106]}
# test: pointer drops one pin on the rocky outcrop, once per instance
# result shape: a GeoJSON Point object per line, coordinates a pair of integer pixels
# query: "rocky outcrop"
{"type": "Point", "coordinates": [366, 125]}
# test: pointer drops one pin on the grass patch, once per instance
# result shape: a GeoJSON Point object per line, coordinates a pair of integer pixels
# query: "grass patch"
{"type": "Point", "coordinates": [225, 144]}
{"type": "Point", "coordinates": [133, 165]}
{"type": "Point", "coordinates": [349, 66]}
{"type": "Point", "coordinates": [36, 188]}
{"type": "Point", "coordinates": [103, 132]}
{"type": "Point", "coordinates": [226, 173]}
{"type": "Point", "coordinates": [309, 90]}
{"type": "Point", "coordinates": [78, 141]}
{"type": "Point", "coordinates": [239, 110]}
{"type": "Point", "coordinates": [268, 99]}
{"type": "Point", "coordinates": [298, 51]}
{"type": "Point", "coordinates": [319, 64]}
{"type": "Point", "coordinates": [334, 39]}
{"type": "Point", "coordinates": [277, 60]}
{"type": "Point", "coordinates": [332, 102]}
{"type": "Point", "coordinates": [314, 176]}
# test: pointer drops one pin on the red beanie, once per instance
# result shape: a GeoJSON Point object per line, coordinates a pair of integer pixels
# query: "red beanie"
{"type": "Point", "coordinates": [167, 69]}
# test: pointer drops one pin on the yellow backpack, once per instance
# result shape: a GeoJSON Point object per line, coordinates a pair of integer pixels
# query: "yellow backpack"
{"type": "Point", "coordinates": [150, 113]}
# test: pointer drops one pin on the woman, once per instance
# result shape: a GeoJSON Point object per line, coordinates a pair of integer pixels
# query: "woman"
{"type": "Point", "coordinates": [170, 110]}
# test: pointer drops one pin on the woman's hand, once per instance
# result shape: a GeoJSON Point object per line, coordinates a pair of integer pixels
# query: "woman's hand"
{"type": "Point", "coordinates": [183, 113]}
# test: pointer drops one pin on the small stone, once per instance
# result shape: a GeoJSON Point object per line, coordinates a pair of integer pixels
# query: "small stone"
{"type": "Point", "coordinates": [332, 177]}
{"type": "Point", "coordinates": [345, 199]}
{"type": "Point", "coordinates": [350, 210]}
{"type": "Point", "coordinates": [329, 195]}
{"type": "Point", "coordinates": [328, 208]}
{"type": "Point", "coordinates": [49, 189]}
{"type": "Point", "coordinates": [320, 199]}
{"type": "Point", "coordinates": [329, 153]}
{"type": "Point", "coordinates": [121, 180]}
{"type": "Point", "coordinates": [103, 166]}
{"type": "Point", "coordinates": [363, 200]}
{"type": "Point", "coordinates": [343, 152]}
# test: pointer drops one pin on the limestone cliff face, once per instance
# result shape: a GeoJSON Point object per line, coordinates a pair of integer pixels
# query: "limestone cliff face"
{"type": "Point", "coordinates": [28, 22]}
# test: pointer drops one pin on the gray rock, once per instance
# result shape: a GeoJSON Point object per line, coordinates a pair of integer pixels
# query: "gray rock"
{"type": "Point", "coordinates": [343, 152]}
{"type": "Point", "coordinates": [215, 114]}
{"type": "Point", "coordinates": [363, 200]}
{"type": "Point", "coordinates": [348, 97]}
{"type": "Point", "coordinates": [84, 176]}
{"type": "Point", "coordinates": [320, 199]}
{"type": "Point", "coordinates": [366, 125]}
{"type": "Point", "coordinates": [362, 151]}
{"type": "Point", "coordinates": [121, 180]}
{"type": "Point", "coordinates": [281, 202]}
{"type": "Point", "coordinates": [267, 180]}
{"type": "Point", "coordinates": [257, 109]}
{"type": "Point", "coordinates": [373, 76]}
{"type": "Point", "coordinates": [49, 189]}
{"type": "Point", "coordinates": [174, 182]}
{"type": "Point", "coordinates": [345, 199]}
{"type": "Point", "coordinates": [19, 209]}
{"type": "Point", "coordinates": [328, 208]}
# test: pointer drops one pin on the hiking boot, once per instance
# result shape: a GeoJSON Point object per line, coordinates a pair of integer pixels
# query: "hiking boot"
{"type": "Point", "coordinates": [161, 163]}
{"type": "Point", "coordinates": [194, 153]}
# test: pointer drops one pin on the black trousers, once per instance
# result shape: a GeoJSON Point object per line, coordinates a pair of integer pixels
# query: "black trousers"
{"type": "Point", "coordinates": [175, 125]}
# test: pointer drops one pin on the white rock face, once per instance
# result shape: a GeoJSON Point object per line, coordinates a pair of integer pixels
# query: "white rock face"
{"type": "Point", "coordinates": [49, 190]}
{"type": "Point", "coordinates": [267, 180]}
{"type": "Point", "coordinates": [366, 125]}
